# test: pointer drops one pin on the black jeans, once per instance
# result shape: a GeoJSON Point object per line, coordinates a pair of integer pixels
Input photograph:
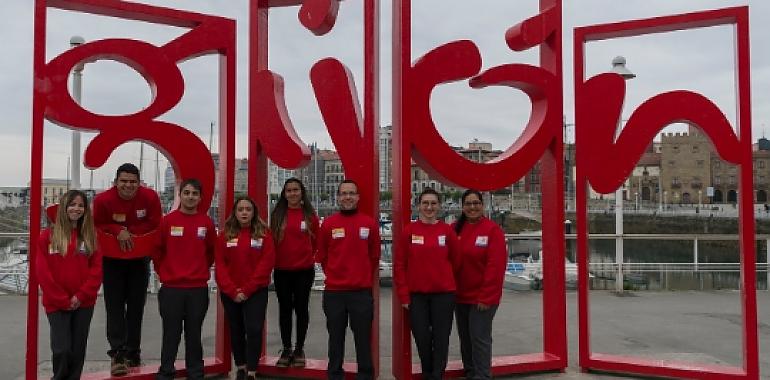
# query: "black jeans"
{"type": "Point", "coordinates": [430, 315]}
{"type": "Point", "coordinates": [125, 293]}
{"type": "Point", "coordinates": [182, 309]}
{"type": "Point", "coordinates": [474, 327]}
{"type": "Point", "coordinates": [292, 288]}
{"type": "Point", "coordinates": [247, 321]}
{"type": "Point", "coordinates": [69, 338]}
{"type": "Point", "coordinates": [356, 306]}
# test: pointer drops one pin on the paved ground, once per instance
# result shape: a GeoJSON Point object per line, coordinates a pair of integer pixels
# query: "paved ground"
{"type": "Point", "coordinates": [688, 325]}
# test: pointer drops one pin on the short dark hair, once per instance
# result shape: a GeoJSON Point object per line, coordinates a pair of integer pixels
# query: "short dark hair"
{"type": "Point", "coordinates": [192, 182]}
{"type": "Point", "coordinates": [427, 191]}
{"type": "Point", "coordinates": [346, 180]}
{"type": "Point", "coordinates": [127, 168]}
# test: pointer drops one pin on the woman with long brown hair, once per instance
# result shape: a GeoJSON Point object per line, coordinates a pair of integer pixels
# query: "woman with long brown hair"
{"type": "Point", "coordinates": [69, 269]}
{"type": "Point", "coordinates": [294, 225]}
{"type": "Point", "coordinates": [244, 260]}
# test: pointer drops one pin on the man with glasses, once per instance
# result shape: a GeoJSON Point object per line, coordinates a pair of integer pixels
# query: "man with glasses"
{"type": "Point", "coordinates": [349, 252]}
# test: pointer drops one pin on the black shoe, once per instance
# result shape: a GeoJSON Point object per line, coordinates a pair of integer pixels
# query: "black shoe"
{"type": "Point", "coordinates": [251, 377]}
{"type": "Point", "coordinates": [298, 358]}
{"type": "Point", "coordinates": [133, 359]}
{"type": "Point", "coordinates": [118, 366]}
{"type": "Point", "coordinates": [285, 359]}
{"type": "Point", "coordinates": [240, 374]}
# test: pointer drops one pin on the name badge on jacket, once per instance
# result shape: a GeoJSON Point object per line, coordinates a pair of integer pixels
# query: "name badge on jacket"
{"type": "Point", "coordinates": [363, 233]}
{"type": "Point", "coordinates": [232, 243]}
{"type": "Point", "coordinates": [338, 233]}
{"type": "Point", "coordinates": [141, 213]}
{"type": "Point", "coordinates": [482, 241]}
{"type": "Point", "coordinates": [303, 226]}
{"type": "Point", "coordinates": [442, 240]}
{"type": "Point", "coordinates": [201, 232]}
{"type": "Point", "coordinates": [120, 218]}
{"type": "Point", "coordinates": [256, 243]}
{"type": "Point", "coordinates": [417, 239]}
{"type": "Point", "coordinates": [177, 231]}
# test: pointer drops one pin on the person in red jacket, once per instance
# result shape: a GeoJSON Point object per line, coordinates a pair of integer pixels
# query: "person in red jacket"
{"type": "Point", "coordinates": [483, 258]}
{"type": "Point", "coordinates": [349, 253]}
{"type": "Point", "coordinates": [183, 263]}
{"type": "Point", "coordinates": [69, 269]}
{"type": "Point", "coordinates": [425, 283]}
{"type": "Point", "coordinates": [244, 260]}
{"type": "Point", "coordinates": [124, 212]}
{"type": "Point", "coordinates": [295, 230]}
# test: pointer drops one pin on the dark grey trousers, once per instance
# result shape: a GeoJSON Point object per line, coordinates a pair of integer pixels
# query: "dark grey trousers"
{"type": "Point", "coordinates": [69, 338]}
{"type": "Point", "coordinates": [357, 308]}
{"type": "Point", "coordinates": [430, 315]}
{"type": "Point", "coordinates": [474, 328]}
{"type": "Point", "coordinates": [182, 309]}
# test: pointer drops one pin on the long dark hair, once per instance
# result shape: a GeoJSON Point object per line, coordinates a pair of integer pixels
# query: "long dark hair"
{"type": "Point", "coordinates": [233, 226]}
{"type": "Point", "coordinates": [278, 216]}
{"type": "Point", "coordinates": [462, 219]}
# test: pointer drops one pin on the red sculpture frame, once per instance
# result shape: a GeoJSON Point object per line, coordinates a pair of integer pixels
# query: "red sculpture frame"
{"type": "Point", "coordinates": [353, 130]}
{"type": "Point", "coordinates": [605, 163]}
{"type": "Point", "coordinates": [415, 136]}
{"type": "Point", "coordinates": [185, 151]}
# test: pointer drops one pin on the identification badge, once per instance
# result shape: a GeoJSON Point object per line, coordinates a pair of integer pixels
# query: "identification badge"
{"type": "Point", "coordinates": [201, 232]}
{"type": "Point", "coordinates": [232, 243]}
{"type": "Point", "coordinates": [82, 249]}
{"type": "Point", "coordinates": [303, 226]}
{"type": "Point", "coordinates": [51, 250]}
{"type": "Point", "coordinates": [177, 230]}
{"type": "Point", "coordinates": [482, 241]}
{"type": "Point", "coordinates": [141, 213]}
{"type": "Point", "coordinates": [417, 239]}
{"type": "Point", "coordinates": [120, 218]}
{"type": "Point", "coordinates": [338, 233]}
{"type": "Point", "coordinates": [442, 240]}
{"type": "Point", "coordinates": [256, 243]}
{"type": "Point", "coordinates": [363, 233]}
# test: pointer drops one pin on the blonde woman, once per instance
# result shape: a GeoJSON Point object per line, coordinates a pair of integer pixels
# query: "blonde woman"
{"type": "Point", "coordinates": [69, 269]}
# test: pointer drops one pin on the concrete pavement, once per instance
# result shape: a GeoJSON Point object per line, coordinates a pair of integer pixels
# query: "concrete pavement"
{"type": "Point", "coordinates": [703, 327]}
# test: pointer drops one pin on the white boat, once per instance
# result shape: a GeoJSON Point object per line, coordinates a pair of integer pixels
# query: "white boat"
{"type": "Point", "coordinates": [529, 275]}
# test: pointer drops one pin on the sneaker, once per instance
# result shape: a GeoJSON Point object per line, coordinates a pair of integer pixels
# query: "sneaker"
{"type": "Point", "coordinates": [285, 359]}
{"type": "Point", "coordinates": [298, 358]}
{"type": "Point", "coordinates": [118, 366]}
{"type": "Point", "coordinates": [251, 377]}
{"type": "Point", "coordinates": [240, 374]}
{"type": "Point", "coordinates": [133, 359]}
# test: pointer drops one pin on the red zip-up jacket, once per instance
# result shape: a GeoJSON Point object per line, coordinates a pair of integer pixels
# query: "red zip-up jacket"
{"type": "Point", "coordinates": [427, 260]}
{"type": "Point", "coordinates": [243, 263]}
{"type": "Point", "coordinates": [187, 244]}
{"type": "Point", "coordinates": [61, 277]}
{"type": "Point", "coordinates": [483, 257]}
{"type": "Point", "coordinates": [297, 247]}
{"type": "Point", "coordinates": [140, 216]}
{"type": "Point", "coordinates": [349, 251]}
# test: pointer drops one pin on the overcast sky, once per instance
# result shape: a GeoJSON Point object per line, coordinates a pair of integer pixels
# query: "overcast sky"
{"type": "Point", "coordinates": [699, 60]}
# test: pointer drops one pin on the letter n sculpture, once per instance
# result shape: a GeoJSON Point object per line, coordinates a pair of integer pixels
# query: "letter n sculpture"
{"type": "Point", "coordinates": [604, 162]}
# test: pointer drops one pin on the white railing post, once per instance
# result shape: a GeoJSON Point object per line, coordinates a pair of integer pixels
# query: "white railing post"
{"type": "Point", "coordinates": [695, 252]}
{"type": "Point", "coordinates": [767, 268]}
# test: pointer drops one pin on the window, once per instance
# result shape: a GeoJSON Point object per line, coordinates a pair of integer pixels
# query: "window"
{"type": "Point", "coordinates": [675, 148]}
{"type": "Point", "coordinates": [717, 164]}
{"type": "Point", "coordinates": [732, 180]}
{"type": "Point", "coordinates": [700, 163]}
{"type": "Point", "coordinates": [671, 163]}
{"type": "Point", "coordinates": [695, 149]}
{"type": "Point", "coordinates": [761, 164]}
{"type": "Point", "coordinates": [674, 180]}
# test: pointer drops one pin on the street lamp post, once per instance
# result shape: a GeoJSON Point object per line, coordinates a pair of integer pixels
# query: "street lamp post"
{"type": "Point", "coordinates": [77, 86]}
{"type": "Point", "coordinates": [619, 67]}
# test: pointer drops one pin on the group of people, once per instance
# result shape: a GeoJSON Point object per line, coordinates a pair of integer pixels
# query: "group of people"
{"type": "Point", "coordinates": [442, 270]}
{"type": "Point", "coordinates": [451, 270]}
